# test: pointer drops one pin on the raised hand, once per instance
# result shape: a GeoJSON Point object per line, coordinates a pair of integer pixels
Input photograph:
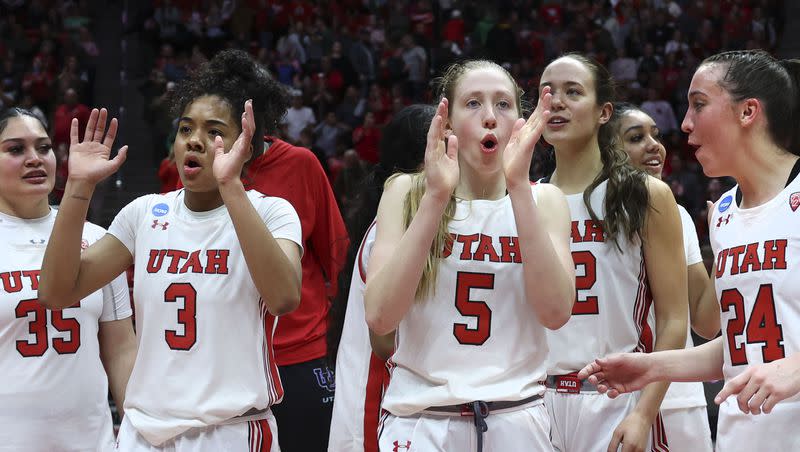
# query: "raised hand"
{"type": "Point", "coordinates": [228, 165]}
{"type": "Point", "coordinates": [761, 386]}
{"type": "Point", "coordinates": [619, 373]}
{"type": "Point", "coordinates": [441, 156]}
{"type": "Point", "coordinates": [519, 150]}
{"type": "Point", "coordinates": [89, 159]}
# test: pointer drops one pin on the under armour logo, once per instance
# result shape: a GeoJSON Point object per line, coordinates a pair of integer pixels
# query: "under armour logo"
{"type": "Point", "coordinates": [398, 446]}
{"type": "Point", "coordinates": [37, 242]}
{"type": "Point", "coordinates": [325, 378]}
{"type": "Point", "coordinates": [726, 219]}
{"type": "Point", "coordinates": [163, 225]}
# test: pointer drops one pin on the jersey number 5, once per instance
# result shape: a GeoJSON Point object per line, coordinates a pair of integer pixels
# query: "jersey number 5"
{"type": "Point", "coordinates": [465, 282]}
{"type": "Point", "coordinates": [187, 316]}
{"type": "Point", "coordinates": [585, 282]}
{"type": "Point", "coordinates": [763, 325]}
{"type": "Point", "coordinates": [38, 328]}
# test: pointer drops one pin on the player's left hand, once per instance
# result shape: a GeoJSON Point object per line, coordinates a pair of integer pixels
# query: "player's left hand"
{"type": "Point", "coordinates": [519, 150]}
{"type": "Point", "coordinates": [228, 165]}
{"type": "Point", "coordinates": [632, 434]}
{"type": "Point", "coordinates": [762, 386]}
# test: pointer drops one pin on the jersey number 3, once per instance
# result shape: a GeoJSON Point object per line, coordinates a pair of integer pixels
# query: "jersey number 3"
{"type": "Point", "coordinates": [762, 327]}
{"type": "Point", "coordinates": [465, 282]}
{"type": "Point", "coordinates": [38, 328]}
{"type": "Point", "coordinates": [187, 316]}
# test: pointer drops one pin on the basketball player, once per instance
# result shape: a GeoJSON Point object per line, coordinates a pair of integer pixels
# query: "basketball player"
{"type": "Point", "coordinates": [624, 230]}
{"type": "Point", "coordinates": [53, 385]}
{"type": "Point", "coordinates": [470, 264]}
{"type": "Point", "coordinates": [683, 410]}
{"type": "Point", "coordinates": [361, 374]}
{"type": "Point", "coordinates": [741, 120]}
{"type": "Point", "coordinates": [213, 265]}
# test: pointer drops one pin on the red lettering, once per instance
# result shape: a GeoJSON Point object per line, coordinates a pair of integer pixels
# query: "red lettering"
{"type": "Point", "coordinates": [9, 285]}
{"type": "Point", "coordinates": [448, 245]}
{"type": "Point", "coordinates": [156, 260]}
{"type": "Point", "coordinates": [774, 255]}
{"type": "Point", "coordinates": [509, 248]}
{"type": "Point", "coordinates": [593, 231]}
{"type": "Point", "coordinates": [734, 254]}
{"type": "Point", "coordinates": [176, 256]}
{"type": "Point", "coordinates": [217, 262]}
{"type": "Point", "coordinates": [721, 259]}
{"type": "Point", "coordinates": [33, 276]}
{"type": "Point", "coordinates": [575, 234]}
{"type": "Point", "coordinates": [193, 263]}
{"type": "Point", "coordinates": [467, 241]}
{"type": "Point", "coordinates": [750, 260]}
{"type": "Point", "coordinates": [485, 248]}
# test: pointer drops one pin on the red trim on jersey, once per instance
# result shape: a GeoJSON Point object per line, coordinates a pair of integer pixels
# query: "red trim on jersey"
{"type": "Point", "coordinates": [274, 378]}
{"type": "Point", "coordinates": [372, 402]}
{"type": "Point", "coordinates": [361, 270]}
{"type": "Point", "coordinates": [259, 435]}
{"type": "Point", "coordinates": [644, 300]}
{"type": "Point", "coordinates": [658, 435]}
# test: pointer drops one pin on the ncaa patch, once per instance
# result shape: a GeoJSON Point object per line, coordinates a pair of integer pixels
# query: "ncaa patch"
{"type": "Point", "coordinates": [160, 209]}
{"type": "Point", "coordinates": [794, 200]}
{"type": "Point", "coordinates": [725, 204]}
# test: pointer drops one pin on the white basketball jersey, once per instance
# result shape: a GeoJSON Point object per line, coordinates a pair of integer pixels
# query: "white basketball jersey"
{"type": "Point", "coordinates": [613, 295]}
{"type": "Point", "coordinates": [53, 387]}
{"type": "Point", "coordinates": [359, 373]}
{"type": "Point", "coordinates": [476, 337]}
{"type": "Point", "coordinates": [684, 395]}
{"type": "Point", "coordinates": [757, 252]}
{"type": "Point", "coordinates": [205, 336]}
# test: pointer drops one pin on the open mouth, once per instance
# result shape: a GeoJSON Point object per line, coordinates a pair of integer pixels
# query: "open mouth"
{"type": "Point", "coordinates": [191, 162]}
{"type": "Point", "coordinates": [35, 174]}
{"type": "Point", "coordinates": [557, 120]}
{"type": "Point", "coordinates": [489, 143]}
{"type": "Point", "coordinates": [653, 162]}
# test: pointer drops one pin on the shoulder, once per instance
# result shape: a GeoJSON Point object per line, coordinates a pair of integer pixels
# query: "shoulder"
{"type": "Point", "coordinates": [659, 192]}
{"type": "Point", "coordinates": [399, 185]}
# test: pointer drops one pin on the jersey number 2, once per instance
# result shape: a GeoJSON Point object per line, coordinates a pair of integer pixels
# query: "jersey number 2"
{"type": "Point", "coordinates": [589, 304]}
{"type": "Point", "coordinates": [38, 328]}
{"type": "Point", "coordinates": [763, 325]}
{"type": "Point", "coordinates": [187, 316]}
{"type": "Point", "coordinates": [465, 282]}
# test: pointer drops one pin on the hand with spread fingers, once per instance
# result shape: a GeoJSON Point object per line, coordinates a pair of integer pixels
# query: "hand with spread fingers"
{"type": "Point", "coordinates": [619, 373]}
{"type": "Point", "coordinates": [228, 165]}
{"type": "Point", "coordinates": [524, 136]}
{"type": "Point", "coordinates": [761, 386]}
{"type": "Point", "coordinates": [441, 156]}
{"type": "Point", "coordinates": [89, 159]}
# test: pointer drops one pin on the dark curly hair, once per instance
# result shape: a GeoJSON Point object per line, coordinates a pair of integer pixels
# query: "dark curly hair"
{"type": "Point", "coordinates": [234, 76]}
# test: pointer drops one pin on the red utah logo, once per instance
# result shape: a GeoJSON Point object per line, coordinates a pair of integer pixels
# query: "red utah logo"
{"type": "Point", "coordinates": [794, 200]}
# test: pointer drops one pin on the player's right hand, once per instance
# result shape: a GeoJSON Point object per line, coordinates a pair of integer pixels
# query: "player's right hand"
{"type": "Point", "coordinates": [89, 159]}
{"type": "Point", "coordinates": [441, 157]}
{"type": "Point", "coordinates": [619, 373]}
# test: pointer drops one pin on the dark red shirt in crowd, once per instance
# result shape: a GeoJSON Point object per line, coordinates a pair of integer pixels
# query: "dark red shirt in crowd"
{"type": "Point", "coordinates": [366, 141]}
{"type": "Point", "coordinates": [62, 120]}
{"type": "Point", "coordinates": [168, 175]}
{"type": "Point", "coordinates": [294, 174]}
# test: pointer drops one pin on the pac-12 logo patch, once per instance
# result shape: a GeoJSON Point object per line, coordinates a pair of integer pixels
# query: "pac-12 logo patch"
{"type": "Point", "coordinates": [725, 204]}
{"type": "Point", "coordinates": [160, 210]}
{"type": "Point", "coordinates": [794, 200]}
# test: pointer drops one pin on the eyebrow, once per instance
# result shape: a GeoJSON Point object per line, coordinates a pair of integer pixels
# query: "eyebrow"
{"type": "Point", "coordinates": [213, 122]}
{"type": "Point", "coordinates": [568, 83]}
{"type": "Point", "coordinates": [495, 93]}
{"type": "Point", "coordinates": [22, 140]}
{"type": "Point", "coordinates": [696, 93]}
{"type": "Point", "coordinates": [631, 128]}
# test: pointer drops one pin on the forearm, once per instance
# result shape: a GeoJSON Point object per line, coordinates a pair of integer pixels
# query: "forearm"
{"type": "Point", "coordinates": [275, 278]}
{"type": "Point", "coordinates": [391, 290]}
{"type": "Point", "coordinates": [61, 263]}
{"type": "Point", "coordinates": [549, 287]}
{"type": "Point", "coordinates": [704, 312]}
{"type": "Point", "coordinates": [118, 354]}
{"type": "Point", "coordinates": [701, 363]}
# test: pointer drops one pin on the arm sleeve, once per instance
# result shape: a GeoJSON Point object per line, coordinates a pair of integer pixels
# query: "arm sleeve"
{"type": "Point", "coordinates": [116, 300]}
{"type": "Point", "coordinates": [281, 220]}
{"type": "Point", "coordinates": [124, 225]}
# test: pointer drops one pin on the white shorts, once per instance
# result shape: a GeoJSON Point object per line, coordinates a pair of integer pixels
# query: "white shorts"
{"type": "Point", "coordinates": [776, 431]}
{"type": "Point", "coordinates": [586, 421]}
{"type": "Point", "coordinates": [247, 436]}
{"type": "Point", "coordinates": [687, 429]}
{"type": "Point", "coordinates": [524, 429]}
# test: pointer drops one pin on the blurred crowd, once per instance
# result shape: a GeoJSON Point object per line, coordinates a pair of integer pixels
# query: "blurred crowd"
{"type": "Point", "coordinates": [351, 64]}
